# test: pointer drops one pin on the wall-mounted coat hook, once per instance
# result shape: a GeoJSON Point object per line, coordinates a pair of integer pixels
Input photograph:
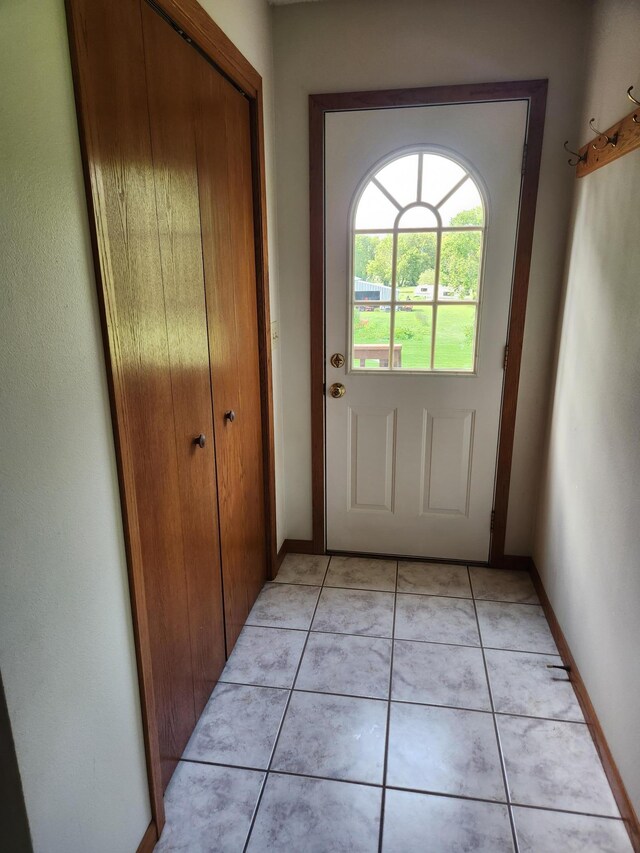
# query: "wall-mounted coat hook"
{"type": "Point", "coordinates": [582, 158]}
{"type": "Point", "coordinates": [611, 140]}
{"type": "Point", "coordinates": [630, 96]}
{"type": "Point", "coordinates": [635, 119]}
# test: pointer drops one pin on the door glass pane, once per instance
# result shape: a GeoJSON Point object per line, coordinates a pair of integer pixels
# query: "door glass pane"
{"type": "Point", "coordinates": [400, 179]}
{"type": "Point", "coordinates": [371, 334]}
{"type": "Point", "coordinates": [464, 207]}
{"type": "Point", "coordinates": [418, 217]}
{"type": "Point", "coordinates": [412, 337]}
{"type": "Point", "coordinates": [455, 337]}
{"type": "Point", "coordinates": [372, 258]}
{"type": "Point", "coordinates": [415, 267]}
{"type": "Point", "coordinates": [439, 176]}
{"type": "Point", "coordinates": [375, 210]}
{"type": "Point", "coordinates": [460, 256]}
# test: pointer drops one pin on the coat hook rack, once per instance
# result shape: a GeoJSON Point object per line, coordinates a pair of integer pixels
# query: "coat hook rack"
{"type": "Point", "coordinates": [610, 140]}
{"type": "Point", "coordinates": [610, 144]}
{"type": "Point", "coordinates": [581, 158]}
{"type": "Point", "coordinates": [636, 120]}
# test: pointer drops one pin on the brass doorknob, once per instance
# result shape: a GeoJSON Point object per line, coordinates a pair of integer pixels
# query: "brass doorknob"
{"type": "Point", "coordinates": [337, 390]}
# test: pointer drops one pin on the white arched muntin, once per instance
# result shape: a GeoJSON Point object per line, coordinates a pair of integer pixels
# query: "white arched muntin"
{"type": "Point", "coordinates": [417, 232]}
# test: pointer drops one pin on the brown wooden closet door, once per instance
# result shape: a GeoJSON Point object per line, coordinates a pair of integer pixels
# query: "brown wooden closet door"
{"type": "Point", "coordinates": [172, 69]}
{"type": "Point", "coordinates": [113, 96]}
{"type": "Point", "coordinates": [226, 205]}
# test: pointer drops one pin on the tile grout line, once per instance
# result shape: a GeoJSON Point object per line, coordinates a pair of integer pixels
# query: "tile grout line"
{"type": "Point", "coordinates": [503, 766]}
{"type": "Point", "coordinates": [401, 701]}
{"type": "Point", "coordinates": [388, 729]}
{"type": "Point", "coordinates": [422, 791]}
{"type": "Point", "coordinates": [406, 639]}
{"type": "Point", "coordinates": [282, 719]}
{"type": "Point", "coordinates": [407, 592]}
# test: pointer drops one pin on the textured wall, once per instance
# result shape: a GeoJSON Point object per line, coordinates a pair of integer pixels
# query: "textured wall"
{"type": "Point", "coordinates": [588, 539]}
{"type": "Point", "coordinates": [374, 44]}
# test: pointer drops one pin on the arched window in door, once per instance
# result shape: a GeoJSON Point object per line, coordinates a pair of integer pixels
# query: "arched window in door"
{"type": "Point", "coordinates": [418, 227]}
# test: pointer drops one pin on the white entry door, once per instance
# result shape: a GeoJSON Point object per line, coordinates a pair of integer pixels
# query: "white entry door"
{"type": "Point", "coordinates": [421, 212]}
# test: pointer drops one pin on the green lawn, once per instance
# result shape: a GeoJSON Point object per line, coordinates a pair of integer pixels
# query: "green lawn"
{"type": "Point", "coordinates": [454, 337]}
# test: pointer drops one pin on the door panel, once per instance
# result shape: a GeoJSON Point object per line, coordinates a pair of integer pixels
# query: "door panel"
{"type": "Point", "coordinates": [447, 457]}
{"type": "Point", "coordinates": [372, 433]}
{"type": "Point", "coordinates": [112, 85]}
{"type": "Point", "coordinates": [172, 113]}
{"type": "Point", "coordinates": [226, 205]}
{"type": "Point", "coordinates": [446, 423]}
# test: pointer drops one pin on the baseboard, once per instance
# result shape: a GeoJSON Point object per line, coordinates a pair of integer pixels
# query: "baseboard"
{"type": "Point", "coordinates": [514, 561]}
{"type": "Point", "coordinates": [149, 839]}
{"type": "Point", "coordinates": [298, 546]}
{"type": "Point", "coordinates": [282, 553]}
{"type": "Point", "coordinates": [613, 774]}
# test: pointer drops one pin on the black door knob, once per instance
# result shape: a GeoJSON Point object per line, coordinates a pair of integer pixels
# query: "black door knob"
{"type": "Point", "coordinates": [200, 440]}
{"type": "Point", "coordinates": [230, 415]}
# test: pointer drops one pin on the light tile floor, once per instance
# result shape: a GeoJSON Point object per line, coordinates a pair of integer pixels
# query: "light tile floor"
{"type": "Point", "coordinates": [374, 705]}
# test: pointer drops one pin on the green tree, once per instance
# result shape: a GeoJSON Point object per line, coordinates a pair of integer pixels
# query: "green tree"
{"type": "Point", "coordinates": [460, 255]}
{"type": "Point", "coordinates": [364, 251]}
{"type": "Point", "coordinates": [379, 267]}
{"type": "Point", "coordinates": [416, 257]}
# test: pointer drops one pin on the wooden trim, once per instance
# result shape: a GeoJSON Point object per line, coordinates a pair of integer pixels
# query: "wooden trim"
{"type": "Point", "coordinates": [292, 546]}
{"type": "Point", "coordinates": [628, 139]}
{"type": "Point", "coordinates": [300, 546]}
{"type": "Point", "coordinates": [522, 268]}
{"type": "Point", "coordinates": [610, 768]}
{"type": "Point", "coordinates": [149, 839]}
{"type": "Point", "coordinates": [317, 297]}
{"type": "Point", "coordinates": [533, 91]}
{"type": "Point", "coordinates": [515, 563]}
{"type": "Point", "coordinates": [192, 19]}
{"type": "Point", "coordinates": [264, 325]}
{"type": "Point", "coordinates": [282, 553]}
{"type": "Point", "coordinates": [189, 16]}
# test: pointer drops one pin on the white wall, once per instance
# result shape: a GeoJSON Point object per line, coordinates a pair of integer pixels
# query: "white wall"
{"type": "Point", "coordinates": [587, 545]}
{"type": "Point", "coordinates": [369, 44]}
{"type": "Point", "coordinates": [66, 645]}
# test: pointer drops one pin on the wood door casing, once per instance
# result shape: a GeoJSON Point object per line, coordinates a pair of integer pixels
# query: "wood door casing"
{"type": "Point", "coordinates": [172, 98]}
{"type": "Point", "coordinates": [228, 239]}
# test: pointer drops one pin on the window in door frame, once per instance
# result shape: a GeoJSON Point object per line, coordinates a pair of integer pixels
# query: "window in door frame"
{"type": "Point", "coordinates": [369, 177]}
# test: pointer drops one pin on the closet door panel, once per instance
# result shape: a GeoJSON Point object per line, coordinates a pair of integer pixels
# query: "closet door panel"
{"type": "Point", "coordinates": [113, 99]}
{"type": "Point", "coordinates": [224, 169]}
{"type": "Point", "coordinates": [249, 439]}
{"type": "Point", "coordinates": [172, 70]}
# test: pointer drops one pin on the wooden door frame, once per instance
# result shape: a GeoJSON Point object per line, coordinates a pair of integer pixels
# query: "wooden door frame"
{"type": "Point", "coordinates": [191, 20]}
{"type": "Point", "coordinates": [535, 93]}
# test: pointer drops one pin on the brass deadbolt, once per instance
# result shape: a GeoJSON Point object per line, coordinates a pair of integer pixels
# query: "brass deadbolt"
{"type": "Point", "coordinates": [337, 390]}
{"type": "Point", "coordinates": [337, 360]}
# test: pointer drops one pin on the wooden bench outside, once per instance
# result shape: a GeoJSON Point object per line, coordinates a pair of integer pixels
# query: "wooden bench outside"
{"type": "Point", "coordinates": [377, 352]}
